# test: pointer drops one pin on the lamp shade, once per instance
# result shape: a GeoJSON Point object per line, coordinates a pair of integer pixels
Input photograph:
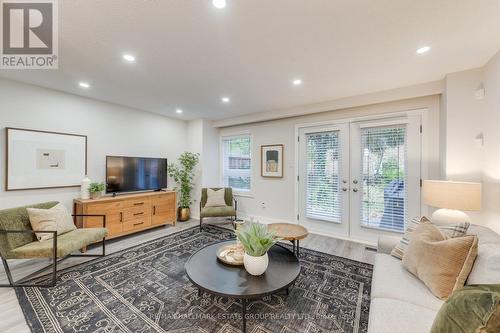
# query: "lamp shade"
{"type": "Point", "coordinates": [452, 195]}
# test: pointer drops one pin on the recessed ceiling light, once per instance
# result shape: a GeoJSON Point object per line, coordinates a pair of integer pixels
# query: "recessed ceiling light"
{"type": "Point", "coordinates": [178, 111]}
{"type": "Point", "coordinates": [84, 85]}
{"type": "Point", "coordinates": [225, 99]}
{"type": "Point", "coordinates": [423, 49]}
{"type": "Point", "coordinates": [297, 82]}
{"type": "Point", "coordinates": [219, 3]}
{"type": "Point", "coordinates": [129, 57]}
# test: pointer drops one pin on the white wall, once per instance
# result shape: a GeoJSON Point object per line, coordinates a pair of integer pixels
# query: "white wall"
{"type": "Point", "coordinates": [203, 138]}
{"type": "Point", "coordinates": [195, 145]}
{"type": "Point", "coordinates": [111, 130]}
{"type": "Point", "coordinates": [468, 117]}
{"type": "Point", "coordinates": [491, 148]}
{"type": "Point", "coordinates": [274, 199]}
{"type": "Point", "coordinates": [463, 122]}
{"type": "Point", "coordinates": [210, 172]}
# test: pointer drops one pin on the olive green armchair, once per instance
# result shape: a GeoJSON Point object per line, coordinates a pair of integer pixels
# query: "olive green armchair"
{"type": "Point", "coordinates": [18, 241]}
{"type": "Point", "coordinates": [230, 210]}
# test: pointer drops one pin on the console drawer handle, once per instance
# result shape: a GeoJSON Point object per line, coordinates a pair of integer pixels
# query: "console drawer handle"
{"type": "Point", "coordinates": [141, 213]}
{"type": "Point", "coordinates": [138, 203]}
{"type": "Point", "coordinates": [136, 224]}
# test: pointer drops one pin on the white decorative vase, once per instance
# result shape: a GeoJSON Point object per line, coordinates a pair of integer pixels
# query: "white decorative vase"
{"type": "Point", "coordinates": [84, 188]}
{"type": "Point", "coordinates": [255, 265]}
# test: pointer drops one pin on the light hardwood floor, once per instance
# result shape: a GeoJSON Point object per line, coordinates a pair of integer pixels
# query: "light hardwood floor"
{"type": "Point", "coordinates": [11, 316]}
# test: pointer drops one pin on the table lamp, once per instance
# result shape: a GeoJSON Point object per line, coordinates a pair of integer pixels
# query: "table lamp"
{"type": "Point", "coordinates": [452, 198]}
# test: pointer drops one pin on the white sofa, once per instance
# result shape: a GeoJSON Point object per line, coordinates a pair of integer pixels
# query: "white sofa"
{"type": "Point", "coordinates": [401, 303]}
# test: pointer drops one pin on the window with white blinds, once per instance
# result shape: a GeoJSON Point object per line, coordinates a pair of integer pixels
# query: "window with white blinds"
{"type": "Point", "coordinates": [323, 183]}
{"type": "Point", "coordinates": [237, 162]}
{"type": "Point", "coordinates": [384, 181]}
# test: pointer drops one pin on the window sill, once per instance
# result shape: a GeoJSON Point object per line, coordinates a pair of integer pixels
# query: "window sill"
{"type": "Point", "coordinates": [398, 232]}
{"type": "Point", "coordinates": [243, 194]}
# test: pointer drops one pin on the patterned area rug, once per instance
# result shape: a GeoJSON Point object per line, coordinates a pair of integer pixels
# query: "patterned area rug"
{"type": "Point", "coordinates": [145, 289]}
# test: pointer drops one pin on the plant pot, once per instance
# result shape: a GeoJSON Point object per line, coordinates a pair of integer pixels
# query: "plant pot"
{"type": "Point", "coordinates": [255, 265]}
{"type": "Point", "coordinates": [183, 214]}
{"type": "Point", "coordinates": [95, 195]}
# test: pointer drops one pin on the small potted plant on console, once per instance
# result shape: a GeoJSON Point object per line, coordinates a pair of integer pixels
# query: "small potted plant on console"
{"type": "Point", "coordinates": [256, 240]}
{"type": "Point", "coordinates": [96, 189]}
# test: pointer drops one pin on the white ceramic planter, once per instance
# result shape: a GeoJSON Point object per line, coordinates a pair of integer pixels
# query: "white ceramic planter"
{"type": "Point", "coordinates": [255, 265]}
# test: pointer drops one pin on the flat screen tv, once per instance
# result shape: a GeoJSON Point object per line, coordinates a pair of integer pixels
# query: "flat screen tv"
{"type": "Point", "coordinates": [132, 174]}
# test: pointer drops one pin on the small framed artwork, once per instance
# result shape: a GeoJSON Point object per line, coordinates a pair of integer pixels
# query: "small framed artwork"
{"type": "Point", "coordinates": [41, 159]}
{"type": "Point", "coordinates": [272, 161]}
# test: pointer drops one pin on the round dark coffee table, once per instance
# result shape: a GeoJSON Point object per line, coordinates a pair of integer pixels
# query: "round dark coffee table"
{"type": "Point", "coordinates": [209, 274]}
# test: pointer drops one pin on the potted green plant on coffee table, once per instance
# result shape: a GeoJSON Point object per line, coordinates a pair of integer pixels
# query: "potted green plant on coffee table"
{"type": "Point", "coordinates": [256, 241]}
{"type": "Point", "coordinates": [183, 174]}
{"type": "Point", "coordinates": [96, 189]}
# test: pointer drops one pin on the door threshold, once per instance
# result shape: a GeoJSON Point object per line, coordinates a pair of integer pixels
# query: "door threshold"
{"type": "Point", "coordinates": [346, 238]}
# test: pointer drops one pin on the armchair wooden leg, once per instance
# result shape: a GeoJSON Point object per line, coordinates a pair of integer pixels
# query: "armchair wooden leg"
{"type": "Point", "coordinates": [201, 221]}
{"type": "Point", "coordinates": [103, 253]}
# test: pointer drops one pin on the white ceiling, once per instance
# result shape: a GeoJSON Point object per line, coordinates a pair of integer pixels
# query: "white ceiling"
{"type": "Point", "coordinates": [190, 54]}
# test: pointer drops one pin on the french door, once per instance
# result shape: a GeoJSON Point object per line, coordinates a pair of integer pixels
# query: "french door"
{"type": "Point", "coordinates": [323, 173]}
{"type": "Point", "coordinates": [359, 179]}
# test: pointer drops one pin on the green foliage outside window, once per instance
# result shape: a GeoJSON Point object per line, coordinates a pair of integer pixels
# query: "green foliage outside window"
{"type": "Point", "coordinates": [239, 147]}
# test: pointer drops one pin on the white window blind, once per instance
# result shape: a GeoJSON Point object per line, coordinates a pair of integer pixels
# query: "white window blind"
{"type": "Point", "coordinates": [323, 183]}
{"type": "Point", "coordinates": [384, 183]}
{"type": "Point", "coordinates": [237, 162]}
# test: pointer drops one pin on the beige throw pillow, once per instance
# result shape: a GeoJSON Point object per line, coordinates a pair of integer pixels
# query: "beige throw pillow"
{"type": "Point", "coordinates": [215, 198]}
{"type": "Point", "coordinates": [451, 230]}
{"type": "Point", "coordinates": [441, 263]}
{"type": "Point", "coordinates": [56, 218]}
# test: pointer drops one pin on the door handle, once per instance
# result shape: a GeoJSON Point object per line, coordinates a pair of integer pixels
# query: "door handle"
{"type": "Point", "coordinates": [355, 190]}
{"type": "Point", "coordinates": [344, 189]}
{"type": "Point", "coordinates": [355, 181]}
{"type": "Point", "coordinates": [154, 210]}
{"type": "Point", "coordinates": [121, 216]}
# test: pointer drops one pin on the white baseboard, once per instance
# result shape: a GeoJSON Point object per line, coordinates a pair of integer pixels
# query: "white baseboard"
{"type": "Point", "coordinates": [262, 219]}
{"type": "Point", "coordinates": [269, 220]}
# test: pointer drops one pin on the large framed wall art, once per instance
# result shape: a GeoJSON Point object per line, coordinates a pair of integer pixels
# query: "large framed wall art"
{"type": "Point", "coordinates": [41, 159]}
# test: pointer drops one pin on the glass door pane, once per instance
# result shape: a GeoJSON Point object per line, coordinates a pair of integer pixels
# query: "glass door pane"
{"type": "Point", "coordinates": [323, 177]}
{"type": "Point", "coordinates": [383, 177]}
{"type": "Point", "coordinates": [323, 183]}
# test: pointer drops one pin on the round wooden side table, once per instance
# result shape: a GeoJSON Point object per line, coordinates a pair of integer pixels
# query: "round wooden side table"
{"type": "Point", "coordinates": [290, 232]}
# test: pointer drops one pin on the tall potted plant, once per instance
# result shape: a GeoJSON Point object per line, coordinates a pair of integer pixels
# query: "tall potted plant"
{"type": "Point", "coordinates": [183, 174]}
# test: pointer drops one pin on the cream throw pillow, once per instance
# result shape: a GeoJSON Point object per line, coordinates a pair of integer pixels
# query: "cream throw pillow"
{"type": "Point", "coordinates": [442, 263]}
{"type": "Point", "coordinates": [56, 218]}
{"type": "Point", "coordinates": [451, 230]}
{"type": "Point", "coordinates": [215, 198]}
